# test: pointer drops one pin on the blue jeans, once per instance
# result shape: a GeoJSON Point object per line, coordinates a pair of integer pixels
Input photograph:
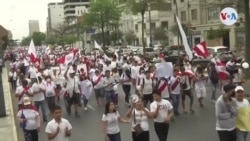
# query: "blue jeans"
{"type": "Point", "coordinates": [110, 96]}
{"type": "Point", "coordinates": [114, 137]}
{"type": "Point", "coordinates": [176, 102]}
{"type": "Point", "coordinates": [41, 104]}
{"type": "Point", "coordinates": [214, 88]}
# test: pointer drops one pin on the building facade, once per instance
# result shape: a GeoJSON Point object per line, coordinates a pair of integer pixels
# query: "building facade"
{"type": "Point", "coordinates": [201, 16]}
{"type": "Point", "coordinates": [72, 6]}
{"type": "Point", "coordinates": [55, 15]}
{"type": "Point", "coordinates": [33, 26]}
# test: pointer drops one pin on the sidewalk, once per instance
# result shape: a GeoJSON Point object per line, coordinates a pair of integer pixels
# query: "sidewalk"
{"type": "Point", "coordinates": [7, 124]}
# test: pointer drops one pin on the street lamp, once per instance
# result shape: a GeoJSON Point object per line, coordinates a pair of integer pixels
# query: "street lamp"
{"type": "Point", "coordinates": [150, 26]}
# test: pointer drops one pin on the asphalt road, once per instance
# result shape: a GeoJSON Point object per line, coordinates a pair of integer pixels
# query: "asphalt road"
{"type": "Point", "coordinates": [199, 126]}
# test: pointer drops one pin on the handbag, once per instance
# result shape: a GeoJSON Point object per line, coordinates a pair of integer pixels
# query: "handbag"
{"type": "Point", "coordinates": [137, 126]}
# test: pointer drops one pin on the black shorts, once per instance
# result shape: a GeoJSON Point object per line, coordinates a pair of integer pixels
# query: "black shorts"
{"type": "Point", "coordinates": [188, 93]}
{"type": "Point", "coordinates": [75, 99]}
{"type": "Point", "coordinates": [99, 93]}
{"type": "Point", "coordinates": [148, 98]}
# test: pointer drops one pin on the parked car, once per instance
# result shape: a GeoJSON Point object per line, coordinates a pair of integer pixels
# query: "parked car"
{"type": "Point", "coordinates": [150, 52]}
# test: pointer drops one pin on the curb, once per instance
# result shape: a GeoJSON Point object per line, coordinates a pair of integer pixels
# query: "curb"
{"type": "Point", "coordinates": [14, 130]}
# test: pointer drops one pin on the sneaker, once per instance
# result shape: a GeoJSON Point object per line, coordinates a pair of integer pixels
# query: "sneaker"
{"type": "Point", "coordinates": [86, 108]}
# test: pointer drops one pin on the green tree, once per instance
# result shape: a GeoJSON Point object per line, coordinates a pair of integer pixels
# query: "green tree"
{"type": "Point", "coordinates": [175, 29]}
{"type": "Point", "coordinates": [70, 39]}
{"type": "Point", "coordinates": [247, 33]}
{"type": "Point", "coordinates": [130, 38]}
{"type": "Point", "coordinates": [160, 34]}
{"type": "Point", "coordinates": [25, 41]}
{"type": "Point", "coordinates": [50, 39]}
{"type": "Point", "coordinates": [38, 38]}
{"type": "Point", "coordinates": [101, 14]}
{"type": "Point", "coordinates": [115, 36]}
{"type": "Point", "coordinates": [141, 6]}
{"type": "Point", "coordinates": [216, 33]}
{"type": "Point", "coordinates": [60, 32]}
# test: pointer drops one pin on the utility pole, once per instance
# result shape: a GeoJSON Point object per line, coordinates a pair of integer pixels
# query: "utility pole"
{"type": "Point", "coordinates": [2, 102]}
{"type": "Point", "coordinates": [178, 36]}
{"type": "Point", "coordinates": [150, 26]}
{"type": "Point", "coordinates": [190, 38]}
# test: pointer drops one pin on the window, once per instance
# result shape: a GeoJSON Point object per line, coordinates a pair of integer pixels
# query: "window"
{"type": "Point", "coordinates": [136, 27]}
{"type": "Point", "coordinates": [182, 0]}
{"type": "Point", "coordinates": [194, 14]}
{"type": "Point", "coordinates": [183, 16]}
{"type": "Point", "coordinates": [164, 24]}
{"type": "Point", "coordinates": [145, 26]}
{"type": "Point", "coordinates": [213, 13]}
{"type": "Point", "coordinates": [153, 26]}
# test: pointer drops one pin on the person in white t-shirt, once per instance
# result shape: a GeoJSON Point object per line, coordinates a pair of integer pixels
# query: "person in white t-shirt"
{"type": "Point", "coordinates": [162, 112]}
{"type": "Point", "coordinates": [39, 100]}
{"type": "Point", "coordinates": [147, 86]}
{"type": "Point", "coordinates": [110, 119]}
{"type": "Point", "coordinates": [126, 81]}
{"type": "Point", "coordinates": [139, 116]}
{"type": "Point", "coordinates": [58, 129]}
{"type": "Point", "coordinates": [98, 88]}
{"type": "Point", "coordinates": [73, 91]}
{"type": "Point", "coordinates": [50, 93]}
{"type": "Point", "coordinates": [200, 85]}
{"type": "Point", "coordinates": [23, 91]}
{"type": "Point", "coordinates": [13, 78]}
{"type": "Point", "coordinates": [85, 90]}
{"type": "Point", "coordinates": [175, 84]}
{"type": "Point", "coordinates": [32, 73]}
{"type": "Point", "coordinates": [241, 103]}
{"type": "Point", "coordinates": [29, 119]}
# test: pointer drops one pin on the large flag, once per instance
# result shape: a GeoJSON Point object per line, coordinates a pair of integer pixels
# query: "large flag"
{"type": "Point", "coordinates": [97, 46]}
{"type": "Point", "coordinates": [221, 70]}
{"type": "Point", "coordinates": [201, 50]}
{"type": "Point", "coordinates": [184, 40]}
{"type": "Point", "coordinates": [68, 58]}
{"type": "Point", "coordinates": [32, 52]}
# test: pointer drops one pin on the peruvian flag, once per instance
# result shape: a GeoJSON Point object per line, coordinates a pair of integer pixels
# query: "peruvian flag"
{"type": "Point", "coordinates": [201, 50]}
{"type": "Point", "coordinates": [68, 58]}
{"type": "Point", "coordinates": [32, 52]}
{"type": "Point", "coordinates": [221, 69]}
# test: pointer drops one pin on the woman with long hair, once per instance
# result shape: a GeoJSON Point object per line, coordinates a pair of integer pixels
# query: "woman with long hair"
{"type": "Point", "coordinates": [139, 116]}
{"type": "Point", "coordinates": [85, 86]}
{"type": "Point", "coordinates": [29, 119]}
{"type": "Point", "coordinates": [110, 120]}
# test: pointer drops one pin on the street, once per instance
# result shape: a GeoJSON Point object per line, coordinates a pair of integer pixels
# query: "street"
{"type": "Point", "coordinates": [188, 127]}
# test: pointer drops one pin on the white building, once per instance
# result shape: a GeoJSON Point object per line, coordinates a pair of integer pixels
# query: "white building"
{"type": "Point", "coordinates": [55, 15]}
{"type": "Point", "coordinates": [71, 6]}
{"type": "Point", "coordinates": [33, 27]}
{"type": "Point", "coordinates": [202, 15]}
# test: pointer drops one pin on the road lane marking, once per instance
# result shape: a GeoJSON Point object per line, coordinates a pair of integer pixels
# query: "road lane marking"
{"type": "Point", "coordinates": [91, 107]}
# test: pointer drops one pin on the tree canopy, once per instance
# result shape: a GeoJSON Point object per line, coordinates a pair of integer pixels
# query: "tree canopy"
{"type": "Point", "coordinates": [175, 29]}
{"type": "Point", "coordinates": [130, 38]}
{"type": "Point", "coordinates": [38, 38]}
{"type": "Point", "coordinates": [160, 34]}
{"type": "Point", "coordinates": [115, 36]}
{"type": "Point", "coordinates": [25, 41]}
{"type": "Point", "coordinates": [216, 33]}
{"type": "Point", "coordinates": [101, 14]}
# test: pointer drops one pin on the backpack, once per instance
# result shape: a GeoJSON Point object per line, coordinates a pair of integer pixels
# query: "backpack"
{"type": "Point", "coordinates": [214, 76]}
{"type": "Point", "coordinates": [143, 82]}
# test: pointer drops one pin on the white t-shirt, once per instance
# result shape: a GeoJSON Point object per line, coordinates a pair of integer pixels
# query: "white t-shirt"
{"type": "Point", "coordinates": [112, 122]}
{"type": "Point", "coordinates": [165, 91]}
{"type": "Point", "coordinates": [92, 73]}
{"type": "Point", "coordinates": [241, 104]}
{"type": "Point", "coordinates": [147, 86]}
{"type": "Point", "coordinates": [186, 79]}
{"type": "Point", "coordinates": [38, 96]}
{"type": "Point", "coordinates": [124, 77]}
{"type": "Point", "coordinates": [86, 88]}
{"type": "Point", "coordinates": [30, 115]}
{"type": "Point", "coordinates": [135, 71]}
{"type": "Point", "coordinates": [19, 91]}
{"type": "Point", "coordinates": [50, 89]}
{"type": "Point", "coordinates": [98, 84]}
{"type": "Point", "coordinates": [32, 72]}
{"type": "Point", "coordinates": [139, 118]}
{"type": "Point", "coordinates": [13, 74]}
{"type": "Point", "coordinates": [52, 128]}
{"type": "Point", "coordinates": [165, 106]}
{"type": "Point", "coordinates": [177, 89]}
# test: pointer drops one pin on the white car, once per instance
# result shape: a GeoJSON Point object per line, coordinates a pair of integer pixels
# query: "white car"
{"type": "Point", "coordinates": [217, 49]}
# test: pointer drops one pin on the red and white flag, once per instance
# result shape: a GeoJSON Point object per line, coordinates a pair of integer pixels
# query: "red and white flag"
{"type": "Point", "coordinates": [66, 59]}
{"type": "Point", "coordinates": [32, 52]}
{"type": "Point", "coordinates": [221, 70]}
{"type": "Point", "coordinates": [201, 50]}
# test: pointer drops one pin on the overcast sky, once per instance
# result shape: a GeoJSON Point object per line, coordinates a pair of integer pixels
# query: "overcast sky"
{"type": "Point", "coordinates": [15, 15]}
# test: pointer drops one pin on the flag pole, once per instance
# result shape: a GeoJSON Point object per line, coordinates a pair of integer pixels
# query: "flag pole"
{"type": "Point", "coordinates": [178, 36]}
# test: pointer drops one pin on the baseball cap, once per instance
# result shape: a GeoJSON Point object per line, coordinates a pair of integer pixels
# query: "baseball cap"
{"type": "Point", "coordinates": [26, 101]}
{"type": "Point", "coordinates": [239, 88]}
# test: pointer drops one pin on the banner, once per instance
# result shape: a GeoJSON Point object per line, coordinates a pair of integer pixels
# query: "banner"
{"type": "Point", "coordinates": [243, 119]}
